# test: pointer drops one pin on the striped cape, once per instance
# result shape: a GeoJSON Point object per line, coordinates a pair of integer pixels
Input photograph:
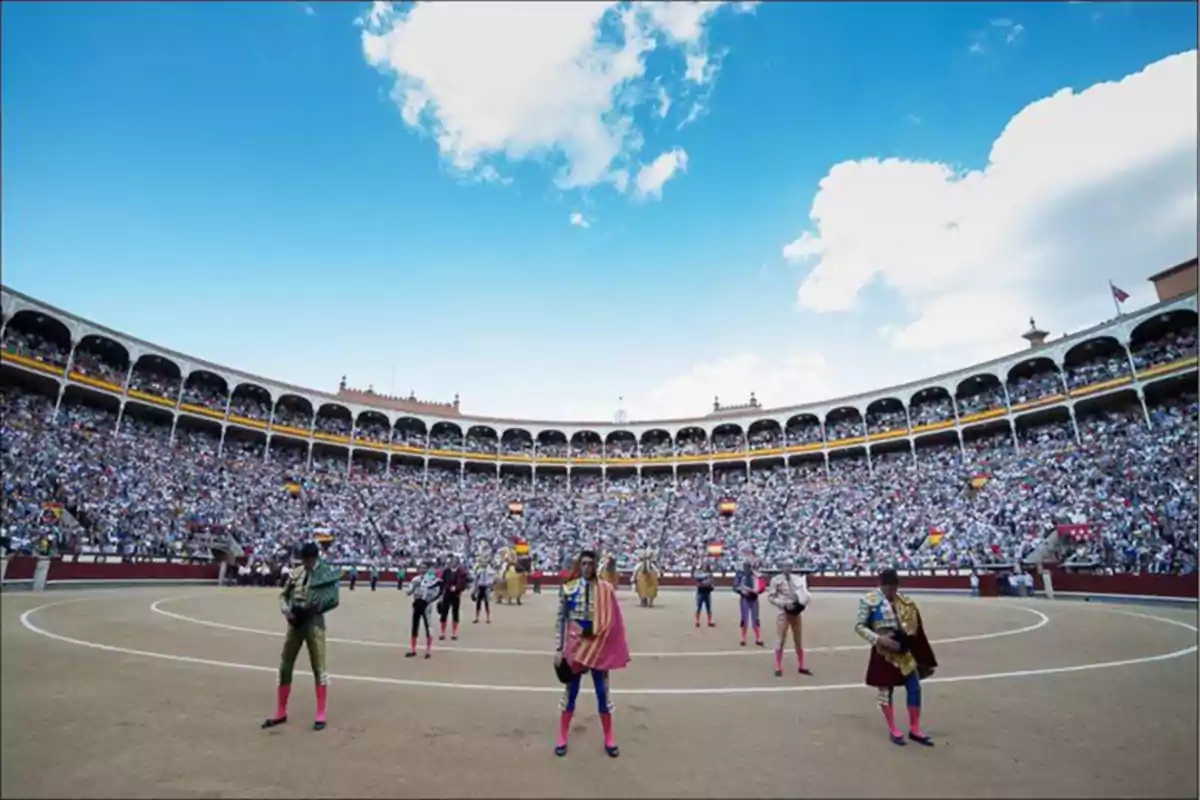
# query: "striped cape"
{"type": "Point", "coordinates": [607, 649]}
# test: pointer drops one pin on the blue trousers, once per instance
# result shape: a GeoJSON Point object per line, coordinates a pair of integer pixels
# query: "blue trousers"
{"type": "Point", "coordinates": [912, 692]}
{"type": "Point", "coordinates": [704, 601]}
{"type": "Point", "coordinates": [599, 680]}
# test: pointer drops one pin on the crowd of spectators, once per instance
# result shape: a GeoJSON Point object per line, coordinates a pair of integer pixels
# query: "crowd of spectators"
{"type": "Point", "coordinates": [148, 488]}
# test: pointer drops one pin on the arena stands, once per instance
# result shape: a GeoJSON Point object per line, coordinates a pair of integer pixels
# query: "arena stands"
{"type": "Point", "coordinates": [138, 460]}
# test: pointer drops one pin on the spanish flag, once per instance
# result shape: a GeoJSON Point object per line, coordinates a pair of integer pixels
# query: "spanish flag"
{"type": "Point", "coordinates": [521, 547]}
{"type": "Point", "coordinates": [727, 506]}
{"type": "Point", "coordinates": [716, 549]}
{"type": "Point", "coordinates": [51, 513]}
{"type": "Point", "coordinates": [292, 488]}
{"type": "Point", "coordinates": [935, 537]}
{"type": "Point", "coordinates": [979, 481]}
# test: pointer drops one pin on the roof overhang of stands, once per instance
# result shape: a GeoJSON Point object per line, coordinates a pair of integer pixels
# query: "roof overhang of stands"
{"type": "Point", "coordinates": [13, 302]}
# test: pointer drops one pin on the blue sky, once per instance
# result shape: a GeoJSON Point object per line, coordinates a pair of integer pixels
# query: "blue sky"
{"type": "Point", "coordinates": [481, 199]}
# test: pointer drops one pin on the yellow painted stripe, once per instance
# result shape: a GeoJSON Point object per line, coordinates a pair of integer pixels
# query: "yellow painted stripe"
{"type": "Point", "coordinates": [1162, 369]}
{"type": "Point", "coordinates": [95, 383]}
{"type": "Point", "coordinates": [1045, 401]}
{"type": "Point", "coordinates": [1092, 388]}
{"type": "Point", "coordinates": [981, 415]}
{"type": "Point", "coordinates": [288, 429]}
{"type": "Point", "coordinates": [201, 410]}
{"type": "Point", "coordinates": [883, 437]}
{"type": "Point", "coordinates": [151, 398]}
{"type": "Point", "coordinates": [933, 426]}
{"type": "Point", "coordinates": [370, 444]}
{"type": "Point", "coordinates": [33, 363]}
{"type": "Point", "coordinates": [848, 442]}
{"type": "Point", "coordinates": [330, 437]}
{"type": "Point", "coordinates": [252, 423]}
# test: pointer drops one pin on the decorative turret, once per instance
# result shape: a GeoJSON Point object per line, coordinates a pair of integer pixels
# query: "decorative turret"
{"type": "Point", "coordinates": [1035, 335]}
{"type": "Point", "coordinates": [751, 404]}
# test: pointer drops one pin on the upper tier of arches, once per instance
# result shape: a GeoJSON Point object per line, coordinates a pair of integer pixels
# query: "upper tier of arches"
{"type": "Point", "coordinates": [1105, 356]}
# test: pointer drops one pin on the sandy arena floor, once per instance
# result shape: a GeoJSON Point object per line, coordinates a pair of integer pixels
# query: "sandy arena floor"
{"type": "Point", "coordinates": [160, 692]}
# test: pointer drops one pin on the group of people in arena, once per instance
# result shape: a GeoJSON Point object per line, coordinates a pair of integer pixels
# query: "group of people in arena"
{"type": "Point", "coordinates": [139, 493]}
{"type": "Point", "coordinates": [1117, 484]}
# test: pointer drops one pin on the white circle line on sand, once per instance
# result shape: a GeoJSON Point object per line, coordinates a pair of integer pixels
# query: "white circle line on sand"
{"type": "Point", "coordinates": [157, 608]}
{"type": "Point", "coordinates": [715, 691]}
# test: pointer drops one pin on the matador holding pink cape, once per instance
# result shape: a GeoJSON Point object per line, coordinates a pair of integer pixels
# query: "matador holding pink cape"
{"type": "Point", "coordinates": [590, 637]}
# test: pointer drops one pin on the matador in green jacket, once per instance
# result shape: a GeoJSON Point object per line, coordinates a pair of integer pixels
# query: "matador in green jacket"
{"type": "Point", "coordinates": [310, 593]}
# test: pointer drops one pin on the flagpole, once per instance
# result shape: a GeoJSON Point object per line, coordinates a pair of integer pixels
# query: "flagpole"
{"type": "Point", "coordinates": [1112, 292]}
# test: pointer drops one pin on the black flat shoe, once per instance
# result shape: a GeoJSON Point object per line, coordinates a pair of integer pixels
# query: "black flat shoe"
{"type": "Point", "coordinates": [413, 654]}
{"type": "Point", "coordinates": [778, 673]}
{"type": "Point", "coordinates": [926, 741]}
{"type": "Point", "coordinates": [743, 644]}
{"type": "Point", "coordinates": [898, 740]}
{"type": "Point", "coordinates": [318, 725]}
{"type": "Point", "coordinates": [271, 723]}
{"type": "Point", "coordinates": [560, 750]}
{"type": "Point", "coordinates": [428, 656]}
{"type": "Point", "coordinates": [613, 751]}
{"type": "Point", "coordinates": [805, 671]}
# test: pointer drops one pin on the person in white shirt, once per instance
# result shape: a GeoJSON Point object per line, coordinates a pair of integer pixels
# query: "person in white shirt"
{"type": "Point", "coordinates": [483, 580]}
{"type": "Point", "coordinates": [1047, 584]}
{"type": "Point", "coordinates": [974, 584]}
{"type": "Point", "coordinates": [788, 592]}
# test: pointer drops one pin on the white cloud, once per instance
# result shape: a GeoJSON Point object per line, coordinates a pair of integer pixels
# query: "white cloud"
{"type": "Point", "coordinates": [579, 221]}
{"type": "Point", "coordinates": [913, 119]}
{"type": "Point", "coordinates": [664, 103]}
{"type": "Point", "coordinates": [1013, 33]}
{"type": "Point", "coordinates": [309, 10]}
{"type": "Point", "coordinates": [527, 80]}
{"type": "Point", "coordinates": [653, 176]}
{"type": "Point", "coordinates": [1079, 187]}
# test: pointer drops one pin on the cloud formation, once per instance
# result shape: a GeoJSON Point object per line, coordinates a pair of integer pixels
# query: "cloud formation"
{"type": "Point", "coordinates": [1079, 187]}
{"type": "Point", "coordinates": [520, 80]}
{"type": "Point", "coordinates": [653, 176]}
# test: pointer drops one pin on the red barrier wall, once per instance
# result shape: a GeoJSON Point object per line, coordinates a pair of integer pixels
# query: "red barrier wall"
{"type": "Point", "coordinates": [61, 570]}
{"type": "Point", "coordinates": [1157, 585]}
{"type": "Point", "coordinates": [22, 567]}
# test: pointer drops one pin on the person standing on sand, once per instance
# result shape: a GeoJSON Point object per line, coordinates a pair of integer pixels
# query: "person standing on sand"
{"type": "Point", "coordinates": [900, 652]}
{"type": "Point", "coordinates": [309, 594]}
{"type": "Point", "coordinates": [704, 589]}
{"type": "Point", "coordinates": [425, 592]}
{"type": "Point", "coordinates": [745, 585]}
{"type": "Point", "coordinates": [590, 637]}
{"type": "Point", "coordinates": [788, 591]}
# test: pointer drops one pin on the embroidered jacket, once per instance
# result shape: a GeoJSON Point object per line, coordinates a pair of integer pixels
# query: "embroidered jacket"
{"type": "Point", "coordinates": [898, 619]}
{"type": "Point", "coordinates": [576, 603]}
{"type": "Point", "coordinates": [784, 590]}
{"type": "Point", "coordinates": [427, 588]}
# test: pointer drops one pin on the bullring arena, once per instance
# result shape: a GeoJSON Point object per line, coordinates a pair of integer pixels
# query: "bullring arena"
{"type": "Point", "coordinates": [136, 479]}
{"type": "Point", "coordinates": [159, 691]}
